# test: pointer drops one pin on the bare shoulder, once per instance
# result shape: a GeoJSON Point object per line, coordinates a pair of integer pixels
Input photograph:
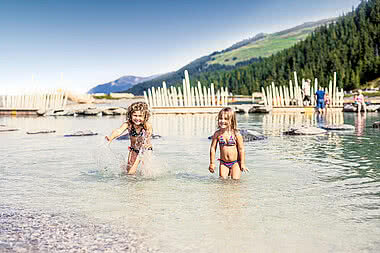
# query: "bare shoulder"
{"type": "Point", "coordinates": [148, 126]}
{"type": "Point", "coordinates": [216, 134]}
{"type": "Point", "coordinates": [238, 135]}
{"type": "Point", "coordinates": [125, 124]}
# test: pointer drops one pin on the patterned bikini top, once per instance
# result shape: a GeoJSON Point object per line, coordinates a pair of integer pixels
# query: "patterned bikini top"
{"type": "Point", "coordinates": [231, 141]}
{"type": "Point", "coordinates": [132, 132]}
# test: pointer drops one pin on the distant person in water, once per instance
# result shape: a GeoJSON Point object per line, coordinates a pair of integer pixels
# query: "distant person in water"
{"type": "Point", "coordinates": [232, 154]}
{"type": "Point", "coordinates": [359, 101]}
{"type": "Point", "coordinates": [327, 101]}
{"type": "Point", "coordinates": [140, 132]}
{"type": "Point", "coordinates": [320, 98]}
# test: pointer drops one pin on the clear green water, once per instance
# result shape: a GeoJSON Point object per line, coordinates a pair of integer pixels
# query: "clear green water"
{"type": "Point", "coordinates": [303, 194]}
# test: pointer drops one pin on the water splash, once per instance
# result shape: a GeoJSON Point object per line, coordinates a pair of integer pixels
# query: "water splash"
{"type": "Point", "coordinates": [150, 165]}
{"type": "Point", "coordinates": [106, 159]}
{"type": "Point", "coordinates": [110, 162]}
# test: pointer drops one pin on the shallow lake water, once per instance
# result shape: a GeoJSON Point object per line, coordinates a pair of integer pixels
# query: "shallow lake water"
{"type": "Point", "coordinates": [302, 194]}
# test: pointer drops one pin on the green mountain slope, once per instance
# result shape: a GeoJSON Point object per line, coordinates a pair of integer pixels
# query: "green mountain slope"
{"type": "Point", "coordinates": [240, 54]}
{"type": "Point", "coordinates": [267, 45]}
{"type": "Point", "coordinates": [350, 47]}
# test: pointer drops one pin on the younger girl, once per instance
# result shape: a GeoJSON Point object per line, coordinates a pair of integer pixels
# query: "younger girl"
{"type": "Point", "coordinates": [232, 155]}
{"type": "Point", "coordinates": [140, 132]}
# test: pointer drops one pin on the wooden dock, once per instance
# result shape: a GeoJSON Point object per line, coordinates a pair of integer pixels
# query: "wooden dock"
{"type": "Point", "coordinates": [18, 111]}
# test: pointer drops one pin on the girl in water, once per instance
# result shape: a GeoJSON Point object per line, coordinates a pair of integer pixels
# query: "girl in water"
{"type": "Point", "coordinates": [232, 155]}
{"type": "Point", "coordinates": [140, 132]}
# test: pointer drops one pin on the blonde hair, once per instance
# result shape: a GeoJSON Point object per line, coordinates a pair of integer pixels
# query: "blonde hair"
{"type": "Point", "coordinates": [138, 106]}
{"type": "Point", "coordinates": [230, 116]}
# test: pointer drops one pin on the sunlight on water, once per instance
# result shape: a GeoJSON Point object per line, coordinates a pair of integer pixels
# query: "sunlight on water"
{"type": "Point", "coordinates": [303, 193]}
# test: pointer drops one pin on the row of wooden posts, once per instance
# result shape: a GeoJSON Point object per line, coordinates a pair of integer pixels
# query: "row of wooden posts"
{"type": "Point", "coordinates": [187, 96]}
{"type": "Point", "coordinates": [293, 95]}
{"type": "Point", "coordinates": [51, 100]}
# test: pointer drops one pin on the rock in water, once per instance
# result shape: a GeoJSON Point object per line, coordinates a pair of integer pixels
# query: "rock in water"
{"type": "Point", "coordinates": [376, 124]}
{"type": "Point", "coordinates": [42, 131]}
{"type": "Point", "coordinates": [81, 133]}
{"type": "Point", "coordinates": [305, 131]}
{"type": "Point", "coordinates": [7, 129]}
{"type": "Point", "coordinates": [249, 135]}
{"type": "Point", "coordinates": [127, 137]}
{"type": "Point", "coordinates": [342, 127]}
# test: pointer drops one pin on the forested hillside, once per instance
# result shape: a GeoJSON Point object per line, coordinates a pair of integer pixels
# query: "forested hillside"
{"type": "Point", "coordinates": [350, 47]}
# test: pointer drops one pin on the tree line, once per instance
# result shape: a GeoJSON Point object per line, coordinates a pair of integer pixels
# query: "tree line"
{"type": "Point", "coordinates": [350, 47]}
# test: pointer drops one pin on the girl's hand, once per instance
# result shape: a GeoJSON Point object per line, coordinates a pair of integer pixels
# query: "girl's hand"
{"type": "Point", "coordinates": [244, 169]}
{"type": "Point", "coordinates": [211, 168]}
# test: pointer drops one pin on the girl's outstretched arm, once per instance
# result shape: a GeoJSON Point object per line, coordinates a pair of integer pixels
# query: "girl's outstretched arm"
{"type": "Point", "coordinates": [213, 145]}
{"type": "Point", "coordinates": [117, 132]}
{"type": "Point", "coordinates": [240, 147]}
{"type": "Point", "coordinates": [148, 134]}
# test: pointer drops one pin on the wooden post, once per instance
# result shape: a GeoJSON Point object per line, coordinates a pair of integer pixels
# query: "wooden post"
{"type": "Point", "coordinates": [212, 95]}
{"type": "Point", "coordinates": [201, 98]}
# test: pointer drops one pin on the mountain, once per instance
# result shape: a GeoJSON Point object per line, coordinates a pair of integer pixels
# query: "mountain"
{"type": "Point", "coordinates": [119, 85]}
{"type": "Point", "coordinates": [350, 46]}
{"type": "Point", "coordinates": [240, 54]}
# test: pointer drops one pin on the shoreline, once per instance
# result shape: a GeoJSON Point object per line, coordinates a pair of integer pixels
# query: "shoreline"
{"type": "Point", "coordinates": [29, 230]}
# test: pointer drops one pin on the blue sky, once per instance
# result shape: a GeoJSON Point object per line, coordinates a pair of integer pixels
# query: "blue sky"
{"type": "Point", "coordinates": [77, 44]}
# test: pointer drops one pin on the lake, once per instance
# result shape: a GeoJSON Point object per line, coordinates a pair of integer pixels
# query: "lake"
{"type": "Point", "coordinates": [302, 194]}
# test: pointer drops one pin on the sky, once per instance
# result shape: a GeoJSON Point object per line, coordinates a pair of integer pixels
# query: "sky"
{"type": "Point", "coordinates": [78, 44]}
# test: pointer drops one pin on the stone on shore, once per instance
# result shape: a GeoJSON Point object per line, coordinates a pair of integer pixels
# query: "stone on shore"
{"type": "Point", "coordinates": [56, 113]}
{"type": "Point", "coordinates": [349, 108]}
{"type": "Point", "coordinates": [372, 108]}
{"type": "Point", "coordinates": [354, 108]}
{"type": "Point", "coordinates": [376, 124]}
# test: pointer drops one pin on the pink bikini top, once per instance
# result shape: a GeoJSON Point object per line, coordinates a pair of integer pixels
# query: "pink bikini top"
{"type": "Point", "coordinates": [231, 141]}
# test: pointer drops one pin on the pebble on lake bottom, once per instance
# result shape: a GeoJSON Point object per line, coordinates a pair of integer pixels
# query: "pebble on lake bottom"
{"type": "Point", "coordinates": [23, 230]}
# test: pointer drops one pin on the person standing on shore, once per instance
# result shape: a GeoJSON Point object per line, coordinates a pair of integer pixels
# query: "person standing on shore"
{"type": "Point", "coordinates": [140, 133]}
{"type": "Point", "coordinates": [359, 100]}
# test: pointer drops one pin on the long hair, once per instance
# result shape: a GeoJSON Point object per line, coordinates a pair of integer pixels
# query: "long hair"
{"type": "Point", "coordinates": [138, 106]}
{"type": "Point", "coordinates": [230, 116]}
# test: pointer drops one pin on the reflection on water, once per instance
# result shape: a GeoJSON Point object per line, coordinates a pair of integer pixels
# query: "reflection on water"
{"type": "Point", "coordinates": [303, 194]}
{"type": "Point", "coordinates": [184, 125]}
{"type": "Point", "coordinates": [360, 124]}
{"type": "Point", "coordinates": [276, 123]}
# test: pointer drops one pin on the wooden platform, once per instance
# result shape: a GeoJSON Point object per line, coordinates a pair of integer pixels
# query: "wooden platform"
{"type": "Point", "coordinates": [303, 109]}
{"type": "Point", "coordinates": [18, 111]}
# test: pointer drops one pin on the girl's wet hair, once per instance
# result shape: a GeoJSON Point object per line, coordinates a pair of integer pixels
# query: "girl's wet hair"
{"type": "Point", "coordinates": [230, 115]}
{"type": "Point", "coordinates": [138, 106]}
